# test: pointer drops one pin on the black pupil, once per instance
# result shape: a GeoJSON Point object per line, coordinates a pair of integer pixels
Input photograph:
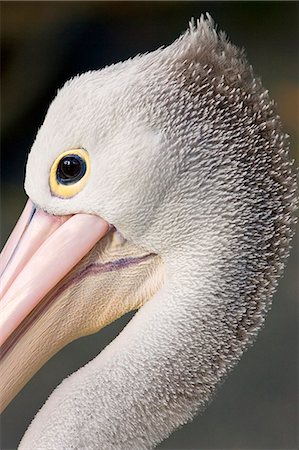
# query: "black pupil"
{"type": "Point", "coordinates": [70, 169]}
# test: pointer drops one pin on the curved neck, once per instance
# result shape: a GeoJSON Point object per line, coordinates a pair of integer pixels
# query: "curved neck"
{"type": "Point", "coordinates": [155, 375]}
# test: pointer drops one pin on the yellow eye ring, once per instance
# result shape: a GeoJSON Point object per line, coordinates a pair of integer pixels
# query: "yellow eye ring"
{"type": "Point", "coordinates": [69, 173]}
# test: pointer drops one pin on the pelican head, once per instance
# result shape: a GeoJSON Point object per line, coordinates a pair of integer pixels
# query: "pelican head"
{"type": "Point", "coordinates": [162, 184]}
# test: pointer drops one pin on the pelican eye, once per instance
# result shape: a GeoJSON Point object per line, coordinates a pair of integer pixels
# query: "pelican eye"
{"type": "Point", "coordinates": [69, 173]}
{"type": "Point", "coordinates": [70, 169]}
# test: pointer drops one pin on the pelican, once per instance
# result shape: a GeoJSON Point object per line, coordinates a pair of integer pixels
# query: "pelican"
{"type": "Point", "coordinates": [161, 184]}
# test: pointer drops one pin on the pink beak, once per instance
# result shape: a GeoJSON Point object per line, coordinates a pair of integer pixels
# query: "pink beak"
{"type": "Point", "coordinates": [41, 250]}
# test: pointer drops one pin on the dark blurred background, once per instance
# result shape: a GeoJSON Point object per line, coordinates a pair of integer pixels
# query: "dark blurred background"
{"type": "Point", "coordinates": [44, 44]}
